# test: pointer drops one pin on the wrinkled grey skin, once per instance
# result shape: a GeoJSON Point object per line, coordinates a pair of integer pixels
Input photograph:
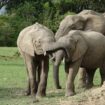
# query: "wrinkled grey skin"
{"type": "Point", "coordinates": [30, 44]}
{"type": "Point", "coordinates": [85, 20]}
{"type": "Point", "coordinates": [81, 49]}
{"type": "Point", "coordinates": [86, 12]}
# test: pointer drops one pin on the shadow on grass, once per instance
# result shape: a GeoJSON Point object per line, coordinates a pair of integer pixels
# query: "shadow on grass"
{"type": "Point", "coordinates": [12, 64]}
{"type": "Point", "coordinates": [8, 93]}
{"type": "Point", "coordinates": [56, 93]}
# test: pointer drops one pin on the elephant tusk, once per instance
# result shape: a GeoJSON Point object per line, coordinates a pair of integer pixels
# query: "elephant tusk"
{"type": "Point", "coordinates": [45, 53]}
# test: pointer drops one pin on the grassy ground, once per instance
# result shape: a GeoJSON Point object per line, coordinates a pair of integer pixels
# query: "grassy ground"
{"type": "Point", "coordinates": [13, 82]}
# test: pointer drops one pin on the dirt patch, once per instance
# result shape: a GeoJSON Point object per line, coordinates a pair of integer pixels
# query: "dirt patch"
{"type": "Point", "coordinates": [94, 96]}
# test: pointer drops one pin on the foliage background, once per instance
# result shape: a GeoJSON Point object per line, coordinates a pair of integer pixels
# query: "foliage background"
{"type": "Point", "coordinates": [22, 13]}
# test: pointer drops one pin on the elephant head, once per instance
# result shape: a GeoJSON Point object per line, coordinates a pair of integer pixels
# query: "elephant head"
{"type": "Point", "coordinates": [85, 20]}
{"type": "Point", "coordinates": [32, 39]}
{"type": "Point", "coordinates": [70, 22]}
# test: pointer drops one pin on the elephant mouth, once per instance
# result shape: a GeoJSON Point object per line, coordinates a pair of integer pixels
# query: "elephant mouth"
{"type": "Point", "coordinates": [38, 48]}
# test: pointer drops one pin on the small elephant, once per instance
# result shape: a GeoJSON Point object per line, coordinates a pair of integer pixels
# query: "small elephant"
{"type": "Point", "coordinates": [37, 64]}
{"type": "Point", "coordinates": [81, 49]}
{"type": "Point", "coordinates": [85, 20]}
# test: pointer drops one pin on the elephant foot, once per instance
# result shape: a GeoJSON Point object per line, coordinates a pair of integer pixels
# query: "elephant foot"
{"type": "Point", "coordinates": [41, 94]}
{"type": "Point", "coordinates": [34, 98]}
{"type": "Point", "coordinates": [27, 93]}
{"type": "Point", "coordinates": [70, 93]}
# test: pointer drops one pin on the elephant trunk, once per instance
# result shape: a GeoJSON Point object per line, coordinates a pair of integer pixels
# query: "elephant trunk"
{"type": "Point", "coordinates": [58, 34]}
{"type": "Point", "coordinates": [56, 76]}
{"type": "Point", "coordinates": [53, 46]}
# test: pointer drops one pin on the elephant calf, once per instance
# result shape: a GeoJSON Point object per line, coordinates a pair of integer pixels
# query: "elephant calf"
{"type": "Point", "coordinates": [30, 44]}
{"type": "Point", "coordinates": [80, 49]}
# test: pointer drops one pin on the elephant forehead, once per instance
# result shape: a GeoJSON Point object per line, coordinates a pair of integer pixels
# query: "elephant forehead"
{"type": "Point", "coordinates": [42, 35]}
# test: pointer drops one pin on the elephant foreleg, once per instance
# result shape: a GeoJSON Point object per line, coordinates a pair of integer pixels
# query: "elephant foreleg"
{"type": "Point", "coordinates": [90, 76]}
{"type": "Point", "coordinates": [31, 70]}
{"type": "Point", "coordinates": [73, 69]}
{"type": "Point", "coordinates": [38, 72]}
{"type": "Point", "coordinates": [82, 78]}
{"type": "Point", "coordinates": [43, 77]}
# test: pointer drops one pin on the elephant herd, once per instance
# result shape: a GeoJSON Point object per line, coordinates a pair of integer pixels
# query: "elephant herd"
{"type": "Point", "coordinates": [79, 40]}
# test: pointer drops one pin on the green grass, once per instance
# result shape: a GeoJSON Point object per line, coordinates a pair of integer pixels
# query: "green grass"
{"type": "Point", "coordinates": [13, 82]}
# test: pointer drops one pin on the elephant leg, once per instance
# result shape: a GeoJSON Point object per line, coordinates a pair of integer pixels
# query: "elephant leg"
{"type": "Point", "coordinates": [43, 77]}
{"type": "Point", "coordinates": [90, 76]}
{"type": "Point", "coordinates": [31, 70]}
{"type": "Point", "coordinates": [38, 72]}
{"type": "Point", "coordinates": [73, 69]}
{"type": "Point", "coordinates": [82, 78]}
{"type": "Point", "coordinates": [28, 91]}
{"type": "Point", "coordinates": [102, 74]}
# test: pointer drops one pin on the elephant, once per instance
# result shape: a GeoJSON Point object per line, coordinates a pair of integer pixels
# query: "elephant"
{"type": "Point", "coordinates": [86, 12]}
{"type": "Point", "coordinates": [80, 49]}
{"type": "Point", "coordinates": [37, 63]}
{"type": "Point", "coordinates": [81, 21]}
{"type": "Point", "coordinates": [85, 20]}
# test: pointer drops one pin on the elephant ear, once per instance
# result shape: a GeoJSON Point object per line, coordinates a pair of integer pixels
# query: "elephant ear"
{"type": "Point", "coordinates": [80, 49]}
{"type": "Point", "coordinates": [26, 45]}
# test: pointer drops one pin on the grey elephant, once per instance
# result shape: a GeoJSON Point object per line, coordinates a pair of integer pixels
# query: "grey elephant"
{"type": "Point", "coordinates": [37, 64]}
{"type": "Point", "coordinates": [80, 49]}
{"type": "Point", "coordinates": [85, 20]}
{"type": "Point", "coordinates": [86, 12]}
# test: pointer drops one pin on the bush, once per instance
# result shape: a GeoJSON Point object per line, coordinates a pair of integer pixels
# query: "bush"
{"type": "Point", "coordinates": [22, 13]}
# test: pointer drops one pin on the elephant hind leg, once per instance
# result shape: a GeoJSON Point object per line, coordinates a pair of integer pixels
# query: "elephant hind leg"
{"type": "Point", "coordinates": [82, 78]}
{"type": "Point", "coordinates": [90, 76]}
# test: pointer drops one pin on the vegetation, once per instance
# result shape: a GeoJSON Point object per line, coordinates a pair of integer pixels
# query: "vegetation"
{"type": "Point", "coordinates": [22, 13]}
{"type": "Point", "coordinates": [13, 82]}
